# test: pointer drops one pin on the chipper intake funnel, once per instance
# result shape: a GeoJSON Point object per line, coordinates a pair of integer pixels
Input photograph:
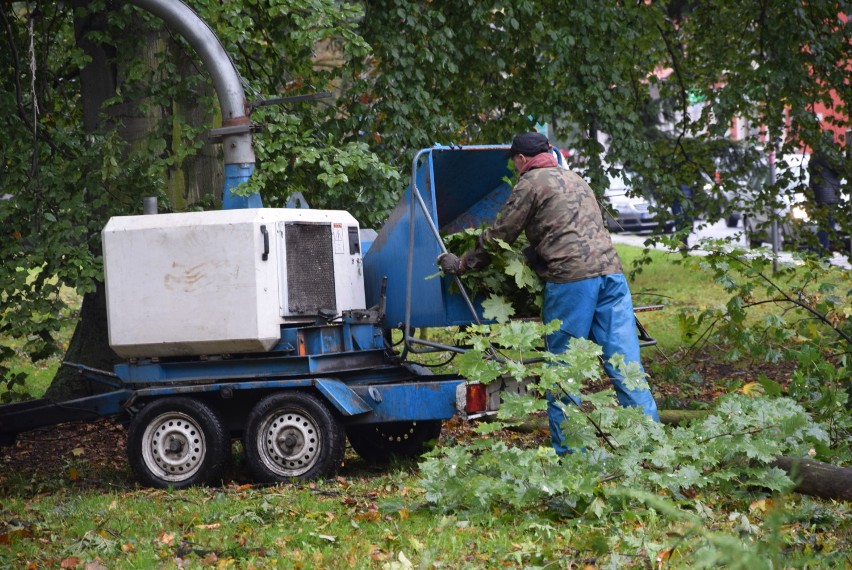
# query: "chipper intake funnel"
{"type": "Point", "coordinates": [453, 188]}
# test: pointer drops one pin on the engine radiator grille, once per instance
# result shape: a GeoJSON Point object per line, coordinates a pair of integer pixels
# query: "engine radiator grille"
{"type": "Point", "coordinates": [310, 268]}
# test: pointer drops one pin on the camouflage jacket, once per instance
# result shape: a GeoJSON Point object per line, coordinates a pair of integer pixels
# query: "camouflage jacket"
{"type": "Point", "coordinates": [561, 218]}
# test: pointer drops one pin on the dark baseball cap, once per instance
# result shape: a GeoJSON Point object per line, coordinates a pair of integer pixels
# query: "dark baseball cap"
{"type": "Point", "coordinates": [528, 144]}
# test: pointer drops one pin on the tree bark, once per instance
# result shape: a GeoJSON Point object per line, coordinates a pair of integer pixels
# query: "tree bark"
{"type": "Point", "coordinates": [90, 343]}
{"type": "Point", "coordinates": [90, 346]}
{"type": "Point", "coordinates": [670, 417]}
{"type": "Point", "coordinates": [818, 479]}
{"type": "Point", "coordinates": [202, 174]}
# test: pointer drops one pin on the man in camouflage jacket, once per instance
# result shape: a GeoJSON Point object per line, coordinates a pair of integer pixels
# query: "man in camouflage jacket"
{"type": "Point", "coordinates": [584, 284]}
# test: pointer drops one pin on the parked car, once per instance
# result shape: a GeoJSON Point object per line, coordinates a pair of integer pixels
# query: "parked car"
{"type": "Point", "coordinates": [629, 213]}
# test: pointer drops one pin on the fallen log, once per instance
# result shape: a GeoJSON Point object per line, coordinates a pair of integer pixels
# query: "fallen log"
{"type": "Point", "coordinates": [817, 479]}
{"type": "Point", "coordinates": [670, 417]}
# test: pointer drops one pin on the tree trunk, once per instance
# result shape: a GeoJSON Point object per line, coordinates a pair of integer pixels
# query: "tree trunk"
{"type": "Point", "coordinates": [203, 174]}
{"type": "Point", "coordinates": [818, 479]}
{"type": "Point", "coordinates": [90, 344]}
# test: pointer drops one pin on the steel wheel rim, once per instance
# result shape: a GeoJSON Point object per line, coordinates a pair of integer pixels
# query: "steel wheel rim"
{"type": "Point", "coordinates": [173, 446]}
{"type": "Point", "coordinates": [289, 443]}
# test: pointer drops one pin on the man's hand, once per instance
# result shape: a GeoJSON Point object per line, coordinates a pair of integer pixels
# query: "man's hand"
{"type": "Point", "coordinates": [450, 264]}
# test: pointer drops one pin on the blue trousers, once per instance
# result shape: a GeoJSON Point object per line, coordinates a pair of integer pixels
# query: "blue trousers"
{"type": "Point", "coordinates": [599, 309]}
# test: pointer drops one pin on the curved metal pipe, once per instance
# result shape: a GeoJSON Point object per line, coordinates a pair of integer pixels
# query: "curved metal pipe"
{"type": "Point", "coordinates": [199, 35]}
{"type": "Point", "coordinates": [236, 127]}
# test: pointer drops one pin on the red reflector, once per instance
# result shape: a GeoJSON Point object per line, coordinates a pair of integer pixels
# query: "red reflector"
{"type": "Point", "coordinates": [475, 398]}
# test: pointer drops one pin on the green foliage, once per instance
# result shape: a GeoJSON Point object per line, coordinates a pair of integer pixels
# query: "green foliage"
{"type": "Point", "coordinates": [810, 330]}
{"type": "Point", "coordinates": [469, 72]}
{"type": "Point", "coordinates": [627, 463]}
{"type": "Point", "coordinates": [63, 180]}
{"type": "Point", "coordinates": [13, 383]}
{"type": "Point", "coordinates": [508, 277]}
{"type": "Point", "coordinates": [692, 473]}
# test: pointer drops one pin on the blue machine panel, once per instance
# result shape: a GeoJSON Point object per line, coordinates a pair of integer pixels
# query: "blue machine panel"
{"type": "Point", "coordinates": [461, 187]}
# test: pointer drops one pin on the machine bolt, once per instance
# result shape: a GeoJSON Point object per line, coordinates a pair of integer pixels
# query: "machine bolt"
{"type": "Point", "coordinates": [289, 441]}
{"type": "Point", "coordinates": [175, 445]}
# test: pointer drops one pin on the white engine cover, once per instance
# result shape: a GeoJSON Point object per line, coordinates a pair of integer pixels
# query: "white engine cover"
{"type": "Point", "coordinates": [225, 281]}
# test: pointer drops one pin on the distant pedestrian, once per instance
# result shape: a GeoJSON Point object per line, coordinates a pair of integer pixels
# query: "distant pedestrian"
{"type": "Point", "coordinates": [682, 208]}
{"type": "Point", "coordinates": [824, 183]}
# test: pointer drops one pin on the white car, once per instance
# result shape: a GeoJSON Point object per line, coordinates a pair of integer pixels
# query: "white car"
{"type": "Point", "coordinates": [625, 213]}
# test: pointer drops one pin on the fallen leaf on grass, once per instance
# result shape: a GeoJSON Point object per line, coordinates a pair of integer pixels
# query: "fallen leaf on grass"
{"type": "Point", "coordinates": [368, 516]}
{"type": "Point", "coordinates": [208, 526]}
{"type": "Point", "coordinates": [378, 554]}
{"type": "Point", "coordinates": [402, 563]}
{"type": "Point", "coordinates": [752, 389]}
{"type": "Point", "coordinates": [15, 535]}
{"type": "Point", "coordinates": [167, 538]}
{"type": "Point", "coordinates": [70, 562]}
{"type": "Point", "coordinates": [760, 505]}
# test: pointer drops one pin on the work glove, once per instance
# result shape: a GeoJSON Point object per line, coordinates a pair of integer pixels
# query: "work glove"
{"type": "Point", "coordinates": [450, 264]}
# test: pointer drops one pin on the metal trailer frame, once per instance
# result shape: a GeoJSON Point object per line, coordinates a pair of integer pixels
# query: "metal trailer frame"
{"type": "Point", "coordinates": [347, 364]}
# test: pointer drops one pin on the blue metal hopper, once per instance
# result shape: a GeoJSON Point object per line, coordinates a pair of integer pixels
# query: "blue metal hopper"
{"type": "Point", "coordinates": [452, 188]}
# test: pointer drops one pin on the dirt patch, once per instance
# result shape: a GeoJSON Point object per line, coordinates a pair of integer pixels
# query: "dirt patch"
{"type": "Point", "coordinates": [81, 453]}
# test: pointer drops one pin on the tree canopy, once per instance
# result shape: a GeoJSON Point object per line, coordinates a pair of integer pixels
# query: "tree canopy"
{"type": "Point", "coordinates": [659, 82]}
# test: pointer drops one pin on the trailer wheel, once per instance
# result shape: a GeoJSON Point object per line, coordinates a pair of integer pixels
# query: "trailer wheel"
{"type": "Point", "coordinates": [293, 435]}
{"type": "Point", "coordinates": [178, 442]}
{"type": "Point", "coordinates": [377, 443]}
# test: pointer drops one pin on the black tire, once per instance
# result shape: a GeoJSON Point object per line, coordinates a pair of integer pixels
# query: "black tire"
{"type": "Point", "coordinates": [293, 435]}
{"type": "Point", "coordinates": [751, 236]}
{"type": "Point", "coordinates": [378, 443]}
{"type": "Point", "coordinates": [754, 242]}
{"type": "Point", "coordinates": [177, 443]}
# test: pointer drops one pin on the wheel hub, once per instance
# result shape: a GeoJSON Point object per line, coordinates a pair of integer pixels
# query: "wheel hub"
{"type": "Point", "coordinates": [290, 442]}
{"type": "Point", "coordinates": [174, 446]}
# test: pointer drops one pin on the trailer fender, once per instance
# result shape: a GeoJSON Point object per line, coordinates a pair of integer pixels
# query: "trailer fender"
{"type": "Point", "coordinates": [410, 401]}
{"type": "Point", "coordinates": [344, 399]}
